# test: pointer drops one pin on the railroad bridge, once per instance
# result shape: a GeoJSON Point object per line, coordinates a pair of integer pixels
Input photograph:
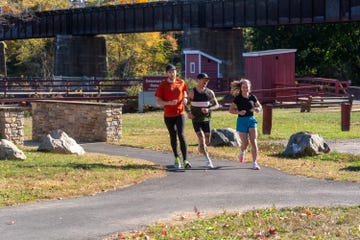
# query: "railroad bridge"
{"type": "Point", "coordinates": [212, 26]}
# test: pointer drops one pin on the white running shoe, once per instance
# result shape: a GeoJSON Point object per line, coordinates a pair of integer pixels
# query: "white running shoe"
{"type": "Point", "coordinates": [256, 166]}
{"type": "Point", "coordinates": [209, 163]}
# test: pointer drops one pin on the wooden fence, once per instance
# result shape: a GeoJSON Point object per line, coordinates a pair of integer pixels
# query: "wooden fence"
{"type": "Point", "coordinates": [23, 91]}
{"type": "Point", "coordinates": [279, 97]}
{"type": "Point", "coordinates": [330, 87]}
{"type": "Point", "coordinates": [65, 86]}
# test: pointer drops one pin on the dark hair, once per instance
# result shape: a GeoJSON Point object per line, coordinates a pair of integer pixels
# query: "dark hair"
{"type": "Point", "coordinates": [202, 75]}
{"type": "Point", "coordinates": [170, 67]}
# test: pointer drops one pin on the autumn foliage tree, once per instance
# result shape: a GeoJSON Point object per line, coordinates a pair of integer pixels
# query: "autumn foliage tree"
{"type": "Point", "coordinates": [128, 54]}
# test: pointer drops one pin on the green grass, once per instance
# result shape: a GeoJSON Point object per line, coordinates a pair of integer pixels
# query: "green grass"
{"type": "Point", "coordinates": [47, 175]}
{"type": "Point", "coordinates": [270, 223]}
{"type": "Point", "coordinates": [152, 134]}
{"type": "Point", "coordinates": [284, 124]}
{"type": "Point", "coordinates": [327, 124]}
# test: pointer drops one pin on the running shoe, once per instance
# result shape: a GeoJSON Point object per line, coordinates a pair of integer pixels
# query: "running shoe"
{"type": "Point", "coordinates": [241, 157]}
{"type": "Point", "coordinates": [209, 163]}
{"type": "Point", "coordinates": [187, 164]}
{"type": "Point", "coordinates": [177, 163]}
{"type": "Point", "coordinates": [256, 166]}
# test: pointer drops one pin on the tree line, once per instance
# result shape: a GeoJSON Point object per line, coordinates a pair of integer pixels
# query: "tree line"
{"type": "Point", "coordinates": [323, 50]}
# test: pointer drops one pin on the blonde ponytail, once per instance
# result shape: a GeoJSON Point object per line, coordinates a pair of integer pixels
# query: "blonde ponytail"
{"type": "Point", "coordinates": [235, 86]}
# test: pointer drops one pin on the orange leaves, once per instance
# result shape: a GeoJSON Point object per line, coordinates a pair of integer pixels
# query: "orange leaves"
{"type": "Point", "coordinates": [272, 231]}
{"type": "Point", "coordinates": [7, 9]}
{"type": "Point", "coordinates": [133, 235]}
{"type": "Point", "coordinates": [121, 236]}
{"type": "Point", "coordinates": [307, 213]}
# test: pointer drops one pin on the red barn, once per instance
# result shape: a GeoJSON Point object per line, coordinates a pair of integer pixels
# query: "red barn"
{"type": "Point", "coordinates": [270, 68]}
{"type": "Point", "coordinates": [197, 62]}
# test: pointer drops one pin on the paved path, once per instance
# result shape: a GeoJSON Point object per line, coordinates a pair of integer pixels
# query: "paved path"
{"type": "Point", "coordinates": [345, 145]}
{"type": "Point", "coordinates": [230, 187]}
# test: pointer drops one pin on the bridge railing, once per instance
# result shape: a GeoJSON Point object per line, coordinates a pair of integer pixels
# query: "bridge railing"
{"type": "Point", "coordinates": [65, 86]}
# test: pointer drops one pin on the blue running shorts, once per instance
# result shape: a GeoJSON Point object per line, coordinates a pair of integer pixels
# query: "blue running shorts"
{"type": "Point", "coordinates": [244, 123]}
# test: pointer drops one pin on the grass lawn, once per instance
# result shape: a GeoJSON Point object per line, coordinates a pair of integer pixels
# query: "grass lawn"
{"type": "Point", "coordinates": [148, 131]}
{"type": "Point", "coordinates": [48, 176]}
{"type": "Point", "coordinates": [270, 223]}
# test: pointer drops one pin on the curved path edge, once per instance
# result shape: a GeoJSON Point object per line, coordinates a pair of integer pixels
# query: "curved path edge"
{"type": "Point", "coordinates": [231, 187]}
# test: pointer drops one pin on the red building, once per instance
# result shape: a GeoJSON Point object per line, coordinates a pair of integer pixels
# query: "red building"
{"type": "Point", "coordinates": [270, 69]}
{"type": "Point", "coordinates": [197, 62]}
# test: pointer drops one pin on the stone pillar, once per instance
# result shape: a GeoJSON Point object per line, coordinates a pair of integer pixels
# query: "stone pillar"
{"type": "Point", "coordinates": [82, 121]}
{"type": "Point", "coordinates": [2, 59]}
{"type": "Point", "coordinates": [224, 44]}
{"type": "Point", "coordinates": [80, 56]}
{"type": "Point", "coordinates": [12, 124]}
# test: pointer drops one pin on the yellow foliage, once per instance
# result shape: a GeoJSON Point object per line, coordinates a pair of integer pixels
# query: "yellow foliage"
{"type": "Point", "coordinates": [128, 54]}
{"type": "Point", "coordinates": [139, 54]}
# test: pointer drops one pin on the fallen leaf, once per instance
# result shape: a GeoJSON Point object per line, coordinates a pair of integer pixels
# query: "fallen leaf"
{"type": "Point", "coordinates": [272, 231]}
{"type": "Point", "coordinates": [259, 235]}
{"type": "Point", "coordinates": [11, 222]}
{"type": "Point", "coordinates": [121, 236]}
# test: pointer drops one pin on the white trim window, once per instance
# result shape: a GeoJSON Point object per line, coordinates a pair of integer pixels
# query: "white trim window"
{"type": "Point", "coordinates": [192, 67]}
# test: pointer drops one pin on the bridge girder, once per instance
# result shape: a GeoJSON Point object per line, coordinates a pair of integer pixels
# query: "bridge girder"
{"type": "Point", "coordinates": [179, 15]}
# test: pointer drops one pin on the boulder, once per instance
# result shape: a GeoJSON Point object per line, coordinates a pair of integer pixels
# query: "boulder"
{"type": "Point", "coordinates": [305, 144]}
{"type": "Point", "coordinates": [58, 141]}
{"type": "Point", "coordinates": [224, 137]}
{"type": "Point", "coordinates": [9, 151]}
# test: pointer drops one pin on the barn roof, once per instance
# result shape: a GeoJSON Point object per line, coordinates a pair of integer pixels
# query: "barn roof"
{"type": "Point", "coordinates": [203, 54]}
{"type": "Point", "coordinates": [268, 52]}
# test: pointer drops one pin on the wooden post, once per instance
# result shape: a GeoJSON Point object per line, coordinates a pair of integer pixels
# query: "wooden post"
{"type": "Point", "coordinates": [267, 119]}
{"type": "Point", "coordinates": [345, 116]}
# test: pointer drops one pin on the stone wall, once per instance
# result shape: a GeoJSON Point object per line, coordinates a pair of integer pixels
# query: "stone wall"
{"type": "Point", "coordinates": [82, 121]}
{"type": "Point", "coordinates": [12, 124]}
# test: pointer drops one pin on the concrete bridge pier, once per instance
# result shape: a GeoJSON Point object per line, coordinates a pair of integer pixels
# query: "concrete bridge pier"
{"type": "Point", "coordinates": [224, 44]}
{"type": "Point", "coordinates": [2, 59]}
{"type": "Point", "coordinates": [80, 56]}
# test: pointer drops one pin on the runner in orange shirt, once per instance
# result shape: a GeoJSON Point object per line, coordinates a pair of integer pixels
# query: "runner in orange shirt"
{"type": "Point", "coordinates": [171, 94]}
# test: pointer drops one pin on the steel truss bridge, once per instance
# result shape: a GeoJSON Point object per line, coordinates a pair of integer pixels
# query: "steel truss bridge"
{"type": "Point", "coordinates": [177, 16]}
